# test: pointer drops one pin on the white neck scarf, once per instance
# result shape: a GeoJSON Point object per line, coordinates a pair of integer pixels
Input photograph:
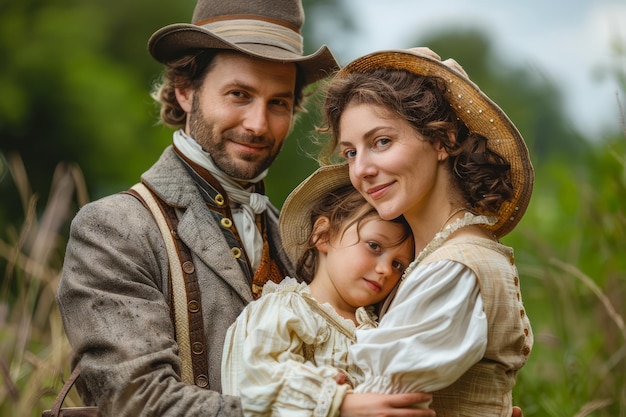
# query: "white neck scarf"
{"type": "Point", "coordinates": [251, 203]}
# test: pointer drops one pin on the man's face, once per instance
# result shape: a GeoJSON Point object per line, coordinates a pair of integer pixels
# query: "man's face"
{"type": "Point", "coordinates": [242, 113]}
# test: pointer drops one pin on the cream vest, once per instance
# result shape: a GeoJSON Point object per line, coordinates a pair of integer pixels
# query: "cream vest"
{"type": "Point", "coordinates": [486, 388]}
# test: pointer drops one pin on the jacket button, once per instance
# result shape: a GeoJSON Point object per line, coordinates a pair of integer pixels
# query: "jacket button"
{"type": "Point", "coordinates": [525, 350]}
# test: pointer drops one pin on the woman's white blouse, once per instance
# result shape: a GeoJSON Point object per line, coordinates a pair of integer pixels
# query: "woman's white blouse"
{"type": "Point", "coordinates": [432, 333]}
{"type": "Point", "coordinates": [282, 353]}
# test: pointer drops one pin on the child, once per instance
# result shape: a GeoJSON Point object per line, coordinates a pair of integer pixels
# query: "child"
{"type": "Point", "coordinates": [287, 353]}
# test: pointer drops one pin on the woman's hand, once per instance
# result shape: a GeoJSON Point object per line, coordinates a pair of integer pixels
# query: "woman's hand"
{"type": "Point", "coordinates": [386, 405]}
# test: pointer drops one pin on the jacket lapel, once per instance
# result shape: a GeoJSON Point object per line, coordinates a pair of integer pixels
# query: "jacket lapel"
{"type": "Point", "coordinates": [196, 227]}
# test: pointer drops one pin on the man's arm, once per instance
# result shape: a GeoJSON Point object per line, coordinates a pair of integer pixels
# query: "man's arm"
{"type": "Point", "coordinates": [118, 320]}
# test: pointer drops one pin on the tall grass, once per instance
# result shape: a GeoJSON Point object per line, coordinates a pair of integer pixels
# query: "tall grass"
{"type": "Point", "coordinates": [572, 247]}
{"type": "Point", "coordinates": [34, 352]}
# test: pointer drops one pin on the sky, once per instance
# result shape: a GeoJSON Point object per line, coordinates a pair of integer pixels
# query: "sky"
{"type": "Point", "coordinates": [567, 40]}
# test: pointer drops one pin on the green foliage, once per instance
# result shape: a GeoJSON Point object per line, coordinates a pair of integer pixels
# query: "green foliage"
{"type": "Point", "coordinates": [569, 250]}
{"type": "Point", "coordinates": [74, 90]}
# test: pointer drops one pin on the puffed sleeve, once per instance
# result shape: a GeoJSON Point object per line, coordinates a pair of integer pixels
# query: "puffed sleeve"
{"type": "Point", "coordinates": [434, 331]}
{"type": "Point", "coordinates": [264, 360]}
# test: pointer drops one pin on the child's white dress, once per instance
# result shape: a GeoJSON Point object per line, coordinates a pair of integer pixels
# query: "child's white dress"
{"type": "Point", "coordinates": [281, 355]}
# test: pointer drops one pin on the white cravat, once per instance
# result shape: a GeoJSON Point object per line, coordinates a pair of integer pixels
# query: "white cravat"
{"type": "Point", "coordinates": [251, 203]}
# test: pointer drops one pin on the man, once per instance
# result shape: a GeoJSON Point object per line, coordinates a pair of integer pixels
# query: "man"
{"type": "Point", "coordinates": [232, 84]}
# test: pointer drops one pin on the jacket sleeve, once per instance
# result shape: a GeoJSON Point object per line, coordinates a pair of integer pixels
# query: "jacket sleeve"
{"type": "Point", "coordinates": [117, 317]}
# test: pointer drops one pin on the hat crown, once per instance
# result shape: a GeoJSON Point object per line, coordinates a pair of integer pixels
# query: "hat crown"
{"type": "Point", "coordinates": [288, 13]}
{"type": "Point", "coordinates": [265, 29]}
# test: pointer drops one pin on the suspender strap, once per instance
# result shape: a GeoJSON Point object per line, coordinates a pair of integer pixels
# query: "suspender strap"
{"type": "Point", "coordinates": [185, 290]}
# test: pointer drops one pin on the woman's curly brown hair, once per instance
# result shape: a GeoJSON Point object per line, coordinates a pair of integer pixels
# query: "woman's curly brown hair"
{"type": "Point", "coordinates": [188, 71]}
{"type": "Point", "coordinates": [481, 175]}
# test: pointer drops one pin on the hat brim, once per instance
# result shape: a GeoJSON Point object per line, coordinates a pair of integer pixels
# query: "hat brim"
{"type": "Point", "coordinates": [479, 113]}
{"type": "Point", "coordinates": [172, 41]}
{"type": "Point", "coordinates": [295, 216]}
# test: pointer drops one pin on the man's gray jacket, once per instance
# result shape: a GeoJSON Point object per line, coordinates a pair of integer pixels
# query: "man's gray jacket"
{"type": "Point", "coordinates": [114, 294]}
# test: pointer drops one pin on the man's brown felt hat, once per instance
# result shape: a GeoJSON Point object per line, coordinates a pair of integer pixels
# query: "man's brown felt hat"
{"type": "Point", "coordinates": [266, 29]}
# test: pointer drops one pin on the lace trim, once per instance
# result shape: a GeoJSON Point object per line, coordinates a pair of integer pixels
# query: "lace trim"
{"type": "Point", "coordinates": [287, 284]}
{"type": "Point", "coordinates": [469, 219]}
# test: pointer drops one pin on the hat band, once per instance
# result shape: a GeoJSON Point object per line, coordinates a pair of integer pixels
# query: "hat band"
{"type": "Point", "coordinates": [243, 31]}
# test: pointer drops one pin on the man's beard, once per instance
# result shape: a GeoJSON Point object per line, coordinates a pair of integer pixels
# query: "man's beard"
{"type": "Point", "coordinates": [246, 167]}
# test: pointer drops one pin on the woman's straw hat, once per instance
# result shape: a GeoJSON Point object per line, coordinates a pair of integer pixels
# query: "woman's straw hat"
{"type": "Point", "coordinates": [295, 215]}
{"type": "Point", "coordinates": [267, 29]}
{"type": "Point", "coordinates": [476, 110]}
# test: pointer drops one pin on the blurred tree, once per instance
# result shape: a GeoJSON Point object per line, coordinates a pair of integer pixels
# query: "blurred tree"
{"type": "Point", "coordinates": [532, 101]}
{"type": "Point", "coordinates": [296, 161]}
{"type": "Point", "coordinates": [75, 84]}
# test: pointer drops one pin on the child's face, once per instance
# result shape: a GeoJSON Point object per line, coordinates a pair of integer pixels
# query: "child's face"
{"type": "Point", "coordinates": [365, 264]}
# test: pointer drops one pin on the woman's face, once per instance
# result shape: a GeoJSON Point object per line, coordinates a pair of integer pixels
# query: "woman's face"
{"type": "Point", "coordinates": [392, 165]}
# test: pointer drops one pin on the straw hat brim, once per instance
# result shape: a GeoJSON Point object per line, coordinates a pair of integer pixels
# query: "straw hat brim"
{"type": "Point", "coordinates": [171, 41]}
{"type": "Point", "coordinates": [479, 113]}
{"type": "Point", "coordinates": [295, 216]}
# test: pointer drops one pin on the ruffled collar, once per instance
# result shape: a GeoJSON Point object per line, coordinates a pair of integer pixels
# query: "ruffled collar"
{"type": "Point", "coordinates": [365, 316]}
{"type": "Point", "coordinates": [469, 219]}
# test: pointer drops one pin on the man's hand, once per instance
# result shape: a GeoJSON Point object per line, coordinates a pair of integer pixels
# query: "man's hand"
{"type": "Point", "coordinates": [517, 412]}
{"type": "Point", "coordinates": [382, 405]}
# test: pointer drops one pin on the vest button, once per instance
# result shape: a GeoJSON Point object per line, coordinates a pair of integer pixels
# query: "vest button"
{"type": "Point", "coordinates": [226, 222]}
{"type": "Point", "coordinates": [202, 381]}
{"type": "Point", "coordinates": [188, 267]}
{"type": "Point", "coordinates": [193, 306]}
{"type": "Point", "coordinates": [219, 199]}
{"type": "Point", "coordinates": [197, 348]}
{"type": "Point", "coordinates": [236, 252]}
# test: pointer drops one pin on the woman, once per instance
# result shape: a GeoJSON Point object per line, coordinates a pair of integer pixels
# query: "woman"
{"type": "Point", "coordinates": [421, 140]}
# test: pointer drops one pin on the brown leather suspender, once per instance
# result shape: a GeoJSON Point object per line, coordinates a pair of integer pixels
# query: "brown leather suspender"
{"type": "Point", "coordinates": [190, 335]}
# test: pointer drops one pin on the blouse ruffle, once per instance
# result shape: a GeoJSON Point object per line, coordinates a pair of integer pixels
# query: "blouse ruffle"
{"type": "Point", "coordinates": [433, 332]}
